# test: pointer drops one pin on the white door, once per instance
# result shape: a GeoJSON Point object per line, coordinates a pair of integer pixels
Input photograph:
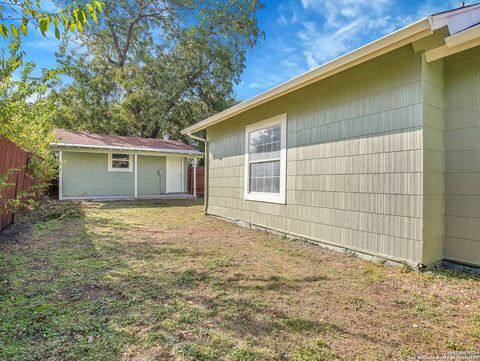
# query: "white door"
{"type": "Point", "coordinates": [174, 175]}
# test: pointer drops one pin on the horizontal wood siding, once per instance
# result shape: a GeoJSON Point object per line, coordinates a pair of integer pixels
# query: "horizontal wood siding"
{"type": "Point", "coordinates": [462, 142]}
{"type": "Point", "coordinates": [87, 175]}
{"type": "Point", "coordinates": [354, 160]}
{"type": "Point", "coordinates": [149, 182]}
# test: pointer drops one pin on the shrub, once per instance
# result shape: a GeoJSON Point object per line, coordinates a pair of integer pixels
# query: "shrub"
{"type": "Point", "coordinates": [25, 116]}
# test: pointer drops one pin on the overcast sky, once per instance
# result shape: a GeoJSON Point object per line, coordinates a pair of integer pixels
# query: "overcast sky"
{"type": "Point", "coordinates": [300, 35]}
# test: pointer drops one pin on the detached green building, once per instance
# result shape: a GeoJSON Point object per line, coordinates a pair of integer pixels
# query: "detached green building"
{"type": "Point", "coordinates": [377, 151]}
{"type": "Point", "coordinates": [95, 166]}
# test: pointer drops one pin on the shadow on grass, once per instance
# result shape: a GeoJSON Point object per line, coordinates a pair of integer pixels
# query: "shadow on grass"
{"type": "Point", "coordinates": [148, 204]}
{"type": "Point", "coordinates": [59, 302]}
{"type": "Point", "coordinates": [86, 278]}
{"type": "Point", "coordinates": [48, 210]}
{"type": "Point", "coordinates": [458, 274]}
{"type": "Point", "coordinates": [251, 318]}
{"type": "Point", "coordinates": [272, 283]}
{"type": "Point", "coordinates": [77, 293]}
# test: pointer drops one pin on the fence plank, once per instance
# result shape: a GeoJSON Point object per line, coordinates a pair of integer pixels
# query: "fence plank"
{"type": "Point", "coordinates": [12, 157]}
{"type": "Point", "coordinates": [200, 180]}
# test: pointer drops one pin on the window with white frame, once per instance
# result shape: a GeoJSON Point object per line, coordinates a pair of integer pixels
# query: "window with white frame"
{"type": "Point", "coordinates": [265, 160]}
{"type": "Point", "coordinates": [119, 162]}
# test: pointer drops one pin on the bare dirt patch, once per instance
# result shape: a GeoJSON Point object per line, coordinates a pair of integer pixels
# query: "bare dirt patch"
{"type": "Point", "coordinates": [159, 280]}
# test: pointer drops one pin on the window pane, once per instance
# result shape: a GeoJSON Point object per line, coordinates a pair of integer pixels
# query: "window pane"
{"type": "Point", "coordinates": [268, 169]}
{"type": "Point", "coordinates": [268, 185]}
{"type": "Point", "coordinates": [260, 167]}
{"type": "Point", "coordinates": [276, 168]}
{"type": "Point", "coordinates": [276, 185]}
{"type": "Point", "coordinates": [120, 161]}
{"type": "Point", "coordinates": [265, 143]}
{"type": "Point", "coordinates": [253, 184]}
{"type": "Point", "coordinates": [119, 164]}
{"type": "Point", "coordinates": [265, 177]}
{"type": "Point", "coordinates": [120, 156]}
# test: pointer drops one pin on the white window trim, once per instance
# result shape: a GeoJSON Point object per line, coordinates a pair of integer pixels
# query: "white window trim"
{"type": "Point", "coordinates": [279, 198]}
{"type": "Point", "coordinates": [130, 163]}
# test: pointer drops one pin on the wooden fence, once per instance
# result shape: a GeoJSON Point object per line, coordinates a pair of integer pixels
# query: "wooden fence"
{"type": "Point", "coordinates": [200, 180]}
{"type": "Point", "coordinates": [15, 160]}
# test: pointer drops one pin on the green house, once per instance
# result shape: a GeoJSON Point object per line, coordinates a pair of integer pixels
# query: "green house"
{"type": "Point", "coordinates": [377, 151]}
{"type": "Point", "coordinates": [95, 166]}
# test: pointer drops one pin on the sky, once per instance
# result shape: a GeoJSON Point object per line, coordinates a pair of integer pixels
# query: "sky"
{"type": "Point", "coordinates": [299, 35]}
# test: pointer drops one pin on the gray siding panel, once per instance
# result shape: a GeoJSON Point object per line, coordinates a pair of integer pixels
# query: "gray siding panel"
{"type": "Point", "coordinates": [462, 159]}
{"type": "Point", "coordinates": [354, 160]}
{"type": "Point", "coordinates": [434, 161]}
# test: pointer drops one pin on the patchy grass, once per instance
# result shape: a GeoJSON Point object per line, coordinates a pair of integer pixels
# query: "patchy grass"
{"type": "Point", "coordinates": [316, 351]}
{"type": "Point", "coordinates": [160, 281]}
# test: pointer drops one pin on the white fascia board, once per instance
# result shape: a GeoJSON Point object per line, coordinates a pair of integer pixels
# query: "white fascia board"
{"type": "Point", "coordinates": [395, 40]}
{"type": "Point", "coordinates": [445, 51]}
{"type": "Point", "coordinates": [465, 40]}
{"type": "Point", "coordinates": [462, 37]}
{"type": "Point", "coordinates": [135, 149]}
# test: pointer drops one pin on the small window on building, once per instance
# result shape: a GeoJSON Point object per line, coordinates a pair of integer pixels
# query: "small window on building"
{"type": "Point", "coordinates": [265, 160]}
{"type": "Point", "coordinates": [118, 162]}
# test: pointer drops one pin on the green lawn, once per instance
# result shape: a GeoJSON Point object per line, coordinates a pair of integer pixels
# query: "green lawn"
{"type": "Point", "coordinates": [160, 281]}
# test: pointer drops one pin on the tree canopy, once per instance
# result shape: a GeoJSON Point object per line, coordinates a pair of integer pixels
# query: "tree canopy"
{"type": "Point", "coordinates": [25, 118]}
{"type": "Point", "coordinates": [17, 15]}
{"type": "Point", "coordinates": [26, 111]}
{"type": "Point", "coordinates": [150, 68]}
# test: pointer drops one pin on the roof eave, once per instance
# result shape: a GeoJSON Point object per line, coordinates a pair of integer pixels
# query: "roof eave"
{"type": "Point", "coordinates": [133, 149]}
{"type": "Point", "coordinates": [456, 43]}
{"type": "Point", "coordinates": [374, 49]}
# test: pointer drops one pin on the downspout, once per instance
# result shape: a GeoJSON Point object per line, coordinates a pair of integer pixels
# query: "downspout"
{"type": "Point", "coordinates": [205, 174]}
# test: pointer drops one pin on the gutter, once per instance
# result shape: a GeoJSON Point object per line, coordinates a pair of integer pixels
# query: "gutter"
{"type": "Point", "coordinates": [461, 25]}
{"type": "Point", "coordinates": [195, 137]}
{"type": "Point", "coordinates": [205, 173]}
{"type": "Point", "coordinates": [395, 40]}
{"type": "Point", "coordinates": [462, 38]}
{"type": "Point", "coordinates": [137, 149]}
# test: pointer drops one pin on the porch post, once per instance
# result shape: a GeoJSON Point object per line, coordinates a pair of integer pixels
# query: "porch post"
{"type": "Point", "coordinates": [195, 177]}
{"type": "Point", "coordinates": [136, 169]}
{"type": "Point", "coordinates": [60, 176]}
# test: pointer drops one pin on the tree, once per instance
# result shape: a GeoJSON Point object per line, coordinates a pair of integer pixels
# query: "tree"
{"type": "Point", "coordinates": [25, 118]}
{"type": "Point", "coordinates": [25, 110]}
{"type": "Point", "coordinates": [154, 67]}
{"type": "Point", "coordinates": [16, 15]}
